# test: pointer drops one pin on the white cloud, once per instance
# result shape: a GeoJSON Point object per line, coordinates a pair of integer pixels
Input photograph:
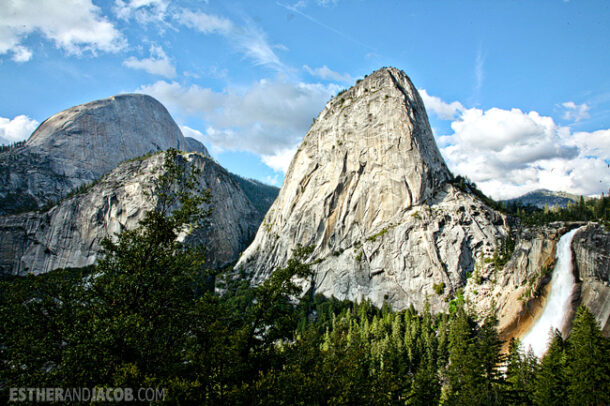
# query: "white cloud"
{"type": "Point", "coordinates": [595, 143]}
{"type": "Point", "coordinates": [510, 152]}
{"type": "Point", "coordinates": [575, 112]}
{"type": "Point", "coordinates": [185, 100]}
{"type": "Point", "coordinates": [191, 132]}
{"type": "Point", "coordinates": [268, 118]}
{"type": "Point", "coordinates": [16, 129]}
{"type": "Point", "coordinates": [325, 73]}
{"type": "Point", "coordinates": [21, 54]}
{"type": "Point", "coordinates": [280, 161]}
{"type": "Point", "coordinates": [143, 11]}
{"type": "Point", "coordinates": [444, 111]}
{"type": "Point", "coordinates": [327, 3]}
{"type": "Point", "coordinates": [252, 42]}
{"type": "Point", "coordinates": [157, 64]}
{"type": "Point", "coordinates": [272, 180]}
{"type": "Point", "coordinates": [75, 26]}
{"type": "Point", "coordinates": [248, 39]}
{"type": "Point", "coordinates": [205, 23]}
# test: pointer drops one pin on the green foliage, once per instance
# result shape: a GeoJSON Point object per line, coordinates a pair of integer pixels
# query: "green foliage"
{"type": "Point", "coordinates": [439, 288]}
{"type": "Point", "coordinates": [503, 253]}
{"type": "Point", "coordinates": [381, 233]}
{"type": "Point", "coordinates": [148, 315]}
{"type": "Point", "coordinates": [592, 209]}
{"type": "Point", "coordinates": [588, 362]}
{"type": "Point", "coordinates": [550, 386]}
{"type": "Point", "coordinates": [262, 196]}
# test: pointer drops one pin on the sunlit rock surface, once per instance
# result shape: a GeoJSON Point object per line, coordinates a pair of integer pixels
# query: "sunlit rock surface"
{"type": "Point", "coordinates": [370, 192]}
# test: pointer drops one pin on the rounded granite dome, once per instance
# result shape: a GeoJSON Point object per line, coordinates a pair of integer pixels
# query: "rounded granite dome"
{"type": "Point", "coordinates": [94, 137]}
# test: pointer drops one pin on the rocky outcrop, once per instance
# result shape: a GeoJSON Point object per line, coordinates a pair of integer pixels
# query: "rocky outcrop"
{"type": "Point", "coordinates": [370, 192]}
{"type": "Point", "coordinates": [78, 145]}
{"type": "Point", "coordinates": [591, 248]}
{"type": "Point", "coordinates": [69, 234]}
{"type": "Point", "coordinates": [518, 290]}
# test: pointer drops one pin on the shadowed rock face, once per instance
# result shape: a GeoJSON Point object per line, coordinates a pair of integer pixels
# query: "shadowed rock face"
{"type": "Point", "coordinates": [78, 145]}
{"type": "Point", "coordinates": [69, 234]}
{"type": "Point", "coordinates": [368, 189]}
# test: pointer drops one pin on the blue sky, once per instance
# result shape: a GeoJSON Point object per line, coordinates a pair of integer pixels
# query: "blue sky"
{"type": "Point", "coordinates": [518, 92]}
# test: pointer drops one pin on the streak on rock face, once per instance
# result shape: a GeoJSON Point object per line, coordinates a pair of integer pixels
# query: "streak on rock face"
{"type": "Point", "coordinates": [368, 189]}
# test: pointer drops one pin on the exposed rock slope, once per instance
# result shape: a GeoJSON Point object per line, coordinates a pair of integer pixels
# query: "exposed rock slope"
{"type": "Point", "coordinates": [69, 234]}
{"type": "Point", "coordinates": [369, 190]}
{"type": "Point", "coordinates": [591, 247]}
{"type": "Point", "coordinates": [78, 145]}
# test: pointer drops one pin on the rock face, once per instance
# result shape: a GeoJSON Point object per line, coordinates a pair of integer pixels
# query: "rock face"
{"type": "Point", "coordinates": [370, 192]}
{"type": "Point", "coordinates": [518, 290]}
{"type": "Point", "coordinates": [78, 145]}
{"type": "Point", "coordinates": [591, 248]}
{"type": "Point", "coordinates": [69, 234]}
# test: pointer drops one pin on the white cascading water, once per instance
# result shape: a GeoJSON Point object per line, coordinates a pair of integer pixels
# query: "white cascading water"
{"type": "Point", "coordinates": [558, 303]}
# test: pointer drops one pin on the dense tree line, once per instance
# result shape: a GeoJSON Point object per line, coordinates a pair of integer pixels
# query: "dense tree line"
{"type": "Point", "coordinates": [147, 316]}
{"type": "Point", "coordinates": [591, 209]}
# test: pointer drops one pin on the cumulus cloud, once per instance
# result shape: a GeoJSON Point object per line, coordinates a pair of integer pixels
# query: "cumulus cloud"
{"type": "Point", "coordinates": [325, 73]}
{"type": "Point", "coordinates": [191, 132]}
{"type": "Point", "coordinates": [16, 129]}
{"type": "Point", "coordinates": [575, 112]}
{"type": "Point", "coordinates": [269, 118]}
{"type": "Point", "coordinates": [21, 54]}
{"type": "Point", "coordinates": [75, 26]}
{"type": "Point", "coordinates": [157, 64]}
{"type": "Point", "coordinates": [444, 111]}
{"type": "Point", "coordinates": [280, 161]}
{"type": "Point", "coordinates": [511, 152]}
{"type": "Point", "coordinates": [595, 143]}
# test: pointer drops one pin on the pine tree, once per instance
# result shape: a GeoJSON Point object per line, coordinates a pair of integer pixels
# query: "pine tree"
{"type": "Point", "coordinates": [464, 374]}
{"type": "Point", "coordinates": [520, 374]}
{"type": "Point", "coordinates": [550, 387]}
{"type": "Point", "coordinates": [588, 362]}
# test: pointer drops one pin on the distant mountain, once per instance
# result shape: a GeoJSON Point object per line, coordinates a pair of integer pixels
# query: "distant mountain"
{"type": "Point", "coordinates": [542, 197]}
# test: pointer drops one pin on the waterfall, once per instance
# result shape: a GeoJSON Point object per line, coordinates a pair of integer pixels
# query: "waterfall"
{"type": "Point", "coordinates": [558, 303]}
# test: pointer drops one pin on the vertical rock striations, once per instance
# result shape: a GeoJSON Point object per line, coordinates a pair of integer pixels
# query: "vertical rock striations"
{"type": "Point", "coordinates": [370, 192]}
{"type": "Point", "coordinates": [591, 247]}
{"type": "Point", "coordinates": [69, 234]}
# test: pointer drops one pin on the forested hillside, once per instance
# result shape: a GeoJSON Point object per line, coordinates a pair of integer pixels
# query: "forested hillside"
{"type": "Point", "coordinates": [146, 315]}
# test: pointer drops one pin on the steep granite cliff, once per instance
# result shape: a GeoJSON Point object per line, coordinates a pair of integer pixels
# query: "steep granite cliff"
{"type": "Point", "coordinates": [69, 234]}
{"type": "Point", "coordinates": [370, 192]}
{"type": "Point", "coordinates": [591, 247]}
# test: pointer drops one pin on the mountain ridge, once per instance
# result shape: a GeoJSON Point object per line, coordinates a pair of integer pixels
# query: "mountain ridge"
{"type": "Point", "coordinates": [370, 192]}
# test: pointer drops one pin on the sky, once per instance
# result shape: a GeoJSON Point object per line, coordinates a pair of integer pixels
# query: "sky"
{"type": "Point", "coordinates": [517, 92]}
